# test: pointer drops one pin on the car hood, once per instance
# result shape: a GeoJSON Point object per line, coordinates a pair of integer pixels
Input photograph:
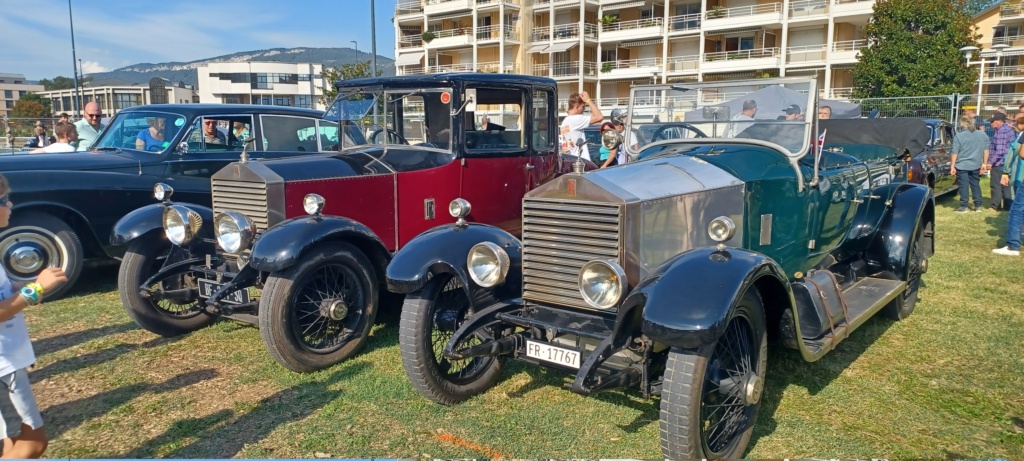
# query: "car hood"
{"type": "Point", "coordinates": [78, 161]}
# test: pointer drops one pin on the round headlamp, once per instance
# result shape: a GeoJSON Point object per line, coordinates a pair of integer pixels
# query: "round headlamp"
{"type": "Point", "coordinates": [181, 224]}
{"type": "Point", "coordinates": [602, 283]}
{"type": "Point", "coordinates": [162, 191]}
{"type": "Point", "coordinates": [234, 231]}
{"type": "Point", "coordinates": [313, 204]}
{"type": "Point", "coordinates": [721, 229]}
{"type": "Point", "coordinates": [459, 208]}
{"type": "Point", "coordinates": [488, 264]}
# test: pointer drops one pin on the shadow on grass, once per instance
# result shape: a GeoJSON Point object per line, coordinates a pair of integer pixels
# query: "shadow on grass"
{"type": "Point", "coordinates": [56, 343]}
{"type": "Point", "coordinates": [66, 416]}
{"type": "Point", "coordinates": [1018, 422]}
{"type": "Point", "coordinates": [97, 277]}
{"type": "Point", "coordinates": [229, 439]}
{"type": "Point", "coordinates": [79, 362]}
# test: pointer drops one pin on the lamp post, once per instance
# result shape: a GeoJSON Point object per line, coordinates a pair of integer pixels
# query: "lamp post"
{"type": "Point", "coordinates": [968, 51]}
{"type": "Point", "coordinates": [355, 44]}
{"type": "Point", "coordinates": [75, 102]}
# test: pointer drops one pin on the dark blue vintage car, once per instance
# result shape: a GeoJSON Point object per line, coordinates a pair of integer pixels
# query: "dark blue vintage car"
{"type": "Point", "coordinates": [67, 204]}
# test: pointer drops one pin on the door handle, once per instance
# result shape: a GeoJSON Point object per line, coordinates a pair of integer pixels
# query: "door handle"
{"type": "Point", "coordinates": [528, 167]}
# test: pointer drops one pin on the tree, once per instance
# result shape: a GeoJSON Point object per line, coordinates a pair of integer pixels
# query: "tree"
{"type": "Point", "coordinates": [61, 83]}
{"type": "Point", "coordinates": [914, 50]}
{"type": "Point", "coordinates": [41, 100]}
{"type": "Point", "coordinates": [27, 109]}
{"type": "Point", "coordinates": [345, 72]}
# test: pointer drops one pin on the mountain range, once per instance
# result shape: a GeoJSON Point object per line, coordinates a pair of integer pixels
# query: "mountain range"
{"type": "Point", "coordinates": [186, 71]}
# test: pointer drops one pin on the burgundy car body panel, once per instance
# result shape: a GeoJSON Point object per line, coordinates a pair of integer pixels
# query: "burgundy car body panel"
{"type": "Point", "coordinates": [442, 184]}
{"type": "Point", "coordinates": [367, 199]}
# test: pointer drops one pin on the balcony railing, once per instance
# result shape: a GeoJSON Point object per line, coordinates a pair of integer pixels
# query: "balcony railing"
{"type": "Point", "coordinates": [452, 32]}
{"type": "Point", "coordinates": [1012, 40]}
{"type": "Point", "coordinates": [743, 11]}
{"type": "Point", "coordinates": [684, 22]}
{"type": "Point", "coordinates": [563, 31]}
{"type": "Point", "coordinates": [630, 64]}
{"type": "Point", "coordinates": [808, 7]}
{"type": "Point", "coordinates": [1012, 9]}
{"type": "Point", "coordinates": [409, 7]}
{"type": "Point", "coordinates": [507, 2]}
{"type": "Point", "coordinates": [450, 68]}
{"type": "Point", "coordinates": [631, 25]}
{"type": "Point", "coordinates": [742, 54]}
{"type": "Point", "coordinates": [841, 93]}
{"type": "Point", "coordinates": [683, 63]}
{"type": "Point", "coordinates": [540, 70]}
{"type": "Point", "coordinates": [806, 53]}
{"type": "Point", "coordinates": [1005, 71]}
{"type": "Point", "coordinates": [840, 2]}
{"type": "Point", "coordinates": [493, 32]}
{"type": "Point", "coordinates": [849, 45]}
{"type": "Point", "coordinates": [410, 41]}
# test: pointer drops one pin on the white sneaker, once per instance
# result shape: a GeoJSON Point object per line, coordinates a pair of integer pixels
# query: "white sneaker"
{"type": "Point", "coordinates": [1006, 251]}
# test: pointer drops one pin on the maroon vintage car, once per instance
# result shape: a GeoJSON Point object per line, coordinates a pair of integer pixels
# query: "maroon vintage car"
{"type": "Point", "coordinates": [315, 233]}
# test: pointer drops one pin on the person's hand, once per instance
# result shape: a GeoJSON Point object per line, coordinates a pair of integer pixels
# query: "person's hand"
{"type": "Point", "coordinates": [1005, 180]}
{"type": "Point", "coordinates": [51, 277]}
{"type": "Point", "coordinates": [585, 96]}
{"type": "Point", "coordinates": [984, 168]}
{"type": "Point", "coordinates": [952, 170]}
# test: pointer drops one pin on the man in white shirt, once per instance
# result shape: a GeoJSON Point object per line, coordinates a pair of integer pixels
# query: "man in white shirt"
{"type": "Point", "coordinates": [89, 128]}
{"type": "Point", "coordinates": [570, 133]}
{"type": "Point", "coordinates": [735, 127]}
{"type": "Point", "coordinates": [66, 134]}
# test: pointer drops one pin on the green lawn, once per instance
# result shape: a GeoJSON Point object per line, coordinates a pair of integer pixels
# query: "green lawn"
{"type": "Point", "coordinates": [945, 383]}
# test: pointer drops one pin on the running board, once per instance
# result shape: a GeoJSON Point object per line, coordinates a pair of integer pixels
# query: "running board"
{"type": "Point", "coordinates": [863, 300]}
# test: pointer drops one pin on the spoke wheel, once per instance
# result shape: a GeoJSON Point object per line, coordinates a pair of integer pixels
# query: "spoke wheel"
{"type": "Point", "coordinates": [34, 241]}
{"type": "Point", "coordinates": [430, 318]}
{"type": "Point", "coordinates": [172, 307]}
{"type": "Point", "coordinates": [319, 311]}
{"type": "Point", "coordinates": [901, 307]}
{"type": "Point", "coordinates": [711, 395]}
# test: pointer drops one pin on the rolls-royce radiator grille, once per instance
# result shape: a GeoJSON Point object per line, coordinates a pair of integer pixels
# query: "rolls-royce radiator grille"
{"type": "Point", "coordinates": [559, 237]}
{"type": "Point", "coordinates": [248, 198]}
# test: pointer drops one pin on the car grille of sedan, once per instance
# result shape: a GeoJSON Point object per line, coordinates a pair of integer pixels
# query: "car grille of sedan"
{"type": "Point", "coordinates": [248, 198]}
{"type": "Point", "coordinates": [559, 237]}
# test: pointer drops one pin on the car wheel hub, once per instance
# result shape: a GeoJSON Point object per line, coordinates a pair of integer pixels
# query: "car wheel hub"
{"type": "Point", "coordinates": [334, 309]}
{"type": "Point", "coordinates": [747, 389]}
{"type": "Point", "coordinates": [27, 254]}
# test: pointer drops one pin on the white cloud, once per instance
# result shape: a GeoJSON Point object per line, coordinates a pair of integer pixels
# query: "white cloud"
{"type": "Point", "coordinates": [89, 67]}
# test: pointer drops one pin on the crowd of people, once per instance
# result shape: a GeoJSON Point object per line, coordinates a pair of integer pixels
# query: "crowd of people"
{"type": "Point", "coordinates": [68, 136]}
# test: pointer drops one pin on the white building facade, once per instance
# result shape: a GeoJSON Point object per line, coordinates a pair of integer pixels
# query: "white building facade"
{"type": "Point", "coordinates": [114, 96]}
{"type": "Point", "coordinates": [266, 83]}
{"type": "Point", "coordinates": [12, 88]}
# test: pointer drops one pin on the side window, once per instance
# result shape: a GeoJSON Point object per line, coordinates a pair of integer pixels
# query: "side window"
{"type": "Point", "coordinates": [497, 125]}
{"type": "Point", "coordinates": [541, 130]}
{"type": "Point", "coordinates": [219, 133]}
{"type": "Point", "coordinates": [288, 133]}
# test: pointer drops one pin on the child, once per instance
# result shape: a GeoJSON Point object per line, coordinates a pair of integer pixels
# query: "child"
{"type": "Point", "coordinates": [20, 421]}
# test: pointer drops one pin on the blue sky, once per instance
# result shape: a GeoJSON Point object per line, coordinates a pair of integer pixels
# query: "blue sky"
{"type": "Point", "coordinates": [35, 37]}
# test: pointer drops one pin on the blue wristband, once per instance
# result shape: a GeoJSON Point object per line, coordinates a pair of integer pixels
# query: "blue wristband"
{"type": "Point", "coordinates": [31, 295]}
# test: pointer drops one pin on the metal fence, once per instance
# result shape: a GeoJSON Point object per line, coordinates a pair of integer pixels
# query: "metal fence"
{"type": "Point", "coordinates": [943, 107]}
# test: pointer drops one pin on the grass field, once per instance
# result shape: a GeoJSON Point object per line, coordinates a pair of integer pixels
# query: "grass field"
{"type": "Point", "coordinates": [945, 383]}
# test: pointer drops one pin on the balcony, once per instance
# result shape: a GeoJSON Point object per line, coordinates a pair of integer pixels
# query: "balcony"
{"type": "Point", "coordinates": [683, 64]}
{"type": "Point", "coordinates": [482, 5]}
{"type": "Point", "coordinates": [411, 70]}
{"type": "Point", "coordinates": [640, 28]}
{"type": "Point", "coordinates": [1012, 40]}
{"type": "Point", "coordinates": [1011, 10]}
{"type": "Point", "coordinates": [451, 37]}
{"type": "Point", "coordinates": [559, 3]}
{"type": "Point", "coordinates": [493, 33]}
{"type": "Point", "coordinates": [408, 7]}
{"type": "Point", "coordinates": [743, 16]}
{"type": "Point", "coordinates": [684, 23]}
{"type": "Point", "coordinates": [853, 7]}
{"type": "Point", "coordinates": [541, 70]}
{"type": "Point", "coordinates": [447, 6]}
{"type": "Point", "coordinates": [840, 93]}
{"type": "Point", "coordinates": [809, 54]}
{"type": "Point", "coordinates": [563, 32]}
{"type": "Point", "coordinates": [807, 9]}
{"type": "Point", "coordinates": [1004, 72]}
{"type": "Point", "coordinates": [446, 68]}
{"type": "Point", "coordinates": [742, 60]}
{"type": "Point", "coordinates": [410, 41]}
{"type": "Point", "coordinates": [630, 68]}
{"type": "Point", "coordinates": [845, 52]}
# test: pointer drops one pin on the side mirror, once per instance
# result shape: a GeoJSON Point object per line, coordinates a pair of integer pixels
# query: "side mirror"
{"type": "Point", "coordinates": [182, 148]}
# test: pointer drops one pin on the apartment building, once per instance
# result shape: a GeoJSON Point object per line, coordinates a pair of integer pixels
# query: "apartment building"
{"type": "Point", "coordinates": [266, 83]}
{"type": "Point", "coordinates": [605, 46]}
{"type": "Point", "coordinates": [113, 95]}
{"type": "Point", "coordinates": [12, 88]}
{"type": "Point", "coordinates": [1002, 39]}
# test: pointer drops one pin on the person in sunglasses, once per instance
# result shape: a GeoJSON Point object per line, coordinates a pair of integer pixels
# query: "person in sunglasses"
{"type": "Point", "coordinates": [89, 128]}
{"type": "Point", "coordinates": [21, 424]}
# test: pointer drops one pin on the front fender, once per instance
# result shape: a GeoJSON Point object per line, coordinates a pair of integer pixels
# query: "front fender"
{"type": "Point", "coordinates": [444, 249]}
{"type": "Point", "coordinates": [151, 217]}
{"type": "Point", "coordinates": [911, 203]}
{"type": "Point", "coordinates": [690, 298]}
{"type": "Point", "coordinates": [281, 246]}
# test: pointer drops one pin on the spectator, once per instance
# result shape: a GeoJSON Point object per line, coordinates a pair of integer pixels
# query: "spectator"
{"type": "Point", "coordinates": [997, 148]}
{"type": "Point", "coordinates": [39, 140]}
{"type": "Point", "coordinates": [1013, 178]}
{"type": "Point", "coordinates": [22, 424]}
{"type": "Point", "coordinates": [486, 125]}
{"type": "Point", "coordinates": [608, 157]}
{"type": "Point", "coordinates": [967, 156]}
{"type": "Point", "coordinates": [792, 112]}
{"type": "Point", "coordinates": [1001, 110]}
{"type": "Point", "coordinates": [66, 134]}
{"type": "Point", "coordinates": [151, 139]}
{"type": "Point", "coordinates": [736, 124]}
{"type": "Point", "coordinates": [824, 112]}
{"type": "Point", "coordinates": [241, 131]}
{"type": "Point", "coordinates": [64, 117]}
{"type": "Point", "coordinates": [627, 139]}
{"type": "Point", "coordinates": [570, 132]}
{"type": "Point", "coordinates": [1020, 111]}
{"type": "Point", "coordinates": [211, 134]}
{"type": "Point", "coordinates": [89, 128]}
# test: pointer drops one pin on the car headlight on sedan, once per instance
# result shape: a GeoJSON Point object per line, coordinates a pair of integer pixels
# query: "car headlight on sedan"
{"type": "Point", "coordinates": [721, 229]}
{"type": "Point", "coordinates": [181, 224]}
{"type": "Point", "coordinates": [234, 231]}
{"type": "Point", "coordinates": [488, 264]}
{"type": "Point", "coordinates": [602, 283]}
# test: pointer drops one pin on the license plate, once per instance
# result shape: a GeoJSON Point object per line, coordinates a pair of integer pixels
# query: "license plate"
{"type": "Point", "coordinates": [553, 354]}
{"type": "Point", "coordinates": [207, 287]}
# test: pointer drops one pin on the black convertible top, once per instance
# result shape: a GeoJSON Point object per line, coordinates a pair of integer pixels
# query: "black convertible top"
{"type": "Point", "coordinates": [896, 133]}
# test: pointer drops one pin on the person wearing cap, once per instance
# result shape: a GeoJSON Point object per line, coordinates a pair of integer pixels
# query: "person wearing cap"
{"type": "Point", "coordinates": [627, 139]}
{"type": "Point", "coordinates": [997, 148]}
{"type": "Point", "coordinates": [792, 112]}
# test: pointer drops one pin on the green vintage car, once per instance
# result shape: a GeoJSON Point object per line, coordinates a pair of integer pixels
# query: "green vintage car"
{"type": "Point", "coordinates": [667, 276]}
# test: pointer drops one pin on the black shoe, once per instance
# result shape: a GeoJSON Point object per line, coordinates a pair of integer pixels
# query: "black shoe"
{"type": "Point", "coordinates": [962, 209]}
{"type": "Point", "coordinates": [994, 208]}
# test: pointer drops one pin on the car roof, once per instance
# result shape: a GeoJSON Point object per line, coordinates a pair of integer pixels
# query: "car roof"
{"type": "Point", "coordinates": [445, 79]}
{"type": "Point", "coordinates": [192, 110]}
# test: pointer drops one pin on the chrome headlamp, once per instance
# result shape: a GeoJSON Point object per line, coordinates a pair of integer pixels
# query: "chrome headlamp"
{"type": "Point", "coordinates": [721, 229]}
{"type": "Point", "coordinates": [181, 224]}
{"type": "Point", "coordinates": [162, 191]}
{"type": "Point", "coordinates": [234, 231]}
{"type": "Point", "coordinates": [488, 264]}
{"type": "Point", "coordinates": [459, 209]}
{"type": "Point", "coordinates": [313, 204]}
{"type": "Point", "coordinates": [602, 283]}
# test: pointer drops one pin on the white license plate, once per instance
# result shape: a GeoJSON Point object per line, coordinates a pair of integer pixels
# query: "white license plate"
{"type": "Point", "coordinates": [553, 354]}
{"type": "Point", "coordinates": [207, 287]}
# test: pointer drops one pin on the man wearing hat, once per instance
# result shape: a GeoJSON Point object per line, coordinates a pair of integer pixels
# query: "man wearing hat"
{"type": "Point", "coordinates": [792, 112]}
{"type": "Point", "coordinates": [997, 148]}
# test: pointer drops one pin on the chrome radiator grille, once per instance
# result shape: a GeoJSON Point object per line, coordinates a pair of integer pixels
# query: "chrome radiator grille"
{"type": "Point", "coordinates": [559, 237]}
{"type": "Point", "coordinates": [248, 198]}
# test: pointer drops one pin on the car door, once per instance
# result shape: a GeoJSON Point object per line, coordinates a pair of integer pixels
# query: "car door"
{"type": "Point", "coordinates": [195, 159]}
{"type": "Point", "coordinates": [843, 185]}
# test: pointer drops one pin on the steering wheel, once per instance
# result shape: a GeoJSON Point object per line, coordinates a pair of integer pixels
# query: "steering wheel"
{"type": "Point", "coordinates": [683, 125]}
{"type": "Point", "coordinates": [392, 135]}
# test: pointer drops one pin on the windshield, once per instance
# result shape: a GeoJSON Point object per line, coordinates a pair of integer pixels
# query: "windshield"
{"type": "Point", "coordinates": [352, 106]}
{"type": "Point", "coordinates": [418, 117]}
{"type": "Point", "coordinates": [773, 111]}
{"type": "Point", "coordinates": [145, 131]}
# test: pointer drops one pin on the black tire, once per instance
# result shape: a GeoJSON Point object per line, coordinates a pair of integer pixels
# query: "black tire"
{"type": "Point", "coordinates": [430, 317]}
{"type": "Point", "coordinates": [298, 303]}
{"type": "Point", "coordinates": [165, 317]}
{"type": "Point", "coordinates": [901, 307]}
{"type": "Point", "coordinates": [699, 383]}
{"type": "Point", "coordinates": [34, 241]}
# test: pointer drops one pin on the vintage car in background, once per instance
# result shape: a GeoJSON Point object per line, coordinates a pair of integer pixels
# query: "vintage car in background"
{"type": "Point", "coordinates": [316, 233]}
{"type": "Point", "coordinates": [667, 276]}
{"type": "Point", "coordinates": [66, 204]}
{"type": "Point", "coordinates": [932, 165]}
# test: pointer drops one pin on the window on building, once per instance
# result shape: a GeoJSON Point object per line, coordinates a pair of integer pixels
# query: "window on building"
{"type": "Point", "coordinates": [304, 100]}
{"type": "Point", "coordinates": [86, 99]}
{"type": "Point", "coordinates": [22, 93]}
{"type": "Point", "coordinates": [126, 100]}
{"type": "Point", "coordinates": [8, 94]}
{"type": "Point", "coordinates": [65, 103]}
{"type": "Point", "coordinates": [10, 104]}
{"type": "Point", "coordinates": [55, 105]}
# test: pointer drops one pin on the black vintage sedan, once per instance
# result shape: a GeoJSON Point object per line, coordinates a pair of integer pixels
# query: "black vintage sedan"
{"type": "Point", "coordinates": [67, 204]}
